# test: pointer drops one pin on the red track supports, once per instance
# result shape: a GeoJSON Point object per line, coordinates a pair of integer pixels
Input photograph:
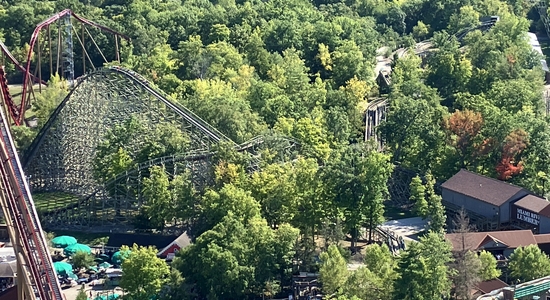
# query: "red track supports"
{"type": "Point", "coordinates": [18, 113]}
{"type": "Point", "coordinates": [25, 230]}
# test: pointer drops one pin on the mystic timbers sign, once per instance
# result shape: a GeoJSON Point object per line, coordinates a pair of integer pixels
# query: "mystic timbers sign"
{"type": "Point", "coordinates": [524, 215]}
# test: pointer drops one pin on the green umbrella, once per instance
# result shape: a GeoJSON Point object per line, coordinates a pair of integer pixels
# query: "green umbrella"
{"type": "Point", "coordinates": [62, 268]}
{"type": "Point", "coordinates": [105, 265]}
{"type": "Point", "coordinates": [72, 249]}
{"type": "Point", "coordinates": [92, 268]}
{"type": "Point", "coordinates": [100, 298]}
{"type": "Point", "coordinates": [72, 276]}
{"type": "Point", "coordinates": [113, 296]}
{"type": "Point", "coordinates": [63, 241]}
{"type": "Point", "coordinates": [120, 256]}
{"type": "Point", "coordinates": [103, 256]}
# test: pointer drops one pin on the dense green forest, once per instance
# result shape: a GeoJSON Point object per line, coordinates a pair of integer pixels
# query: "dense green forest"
{"type": "Point", "coordinates": [305, 69]}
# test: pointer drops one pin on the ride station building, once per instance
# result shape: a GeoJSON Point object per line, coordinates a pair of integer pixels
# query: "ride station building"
{"type": "Point", "coordinates": [495, 205]}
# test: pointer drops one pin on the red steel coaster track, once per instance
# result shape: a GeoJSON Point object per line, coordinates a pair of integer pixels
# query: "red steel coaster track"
{"type": "Point", "coordinates": [36, 276]}
{"type": "Point", "coordinates": [17, 112]}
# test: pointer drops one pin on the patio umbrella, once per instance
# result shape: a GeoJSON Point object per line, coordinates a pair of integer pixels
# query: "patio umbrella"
{"type": "Point", "coordinates": [72, 249]}
{"type": "Point", "coordinates": [72, 276]}
{"type": "Point", "coordinates": [120, 256]}
{"type": "Point", "coordinates": [63, 241]}
{"type": "Point", "coordinates": [8, 269]}
{"type": "Point", "coordinates": [105, 265]}
{"type": "Point", "coordinates": [100, 298]}
{"type": "Point", "coordinates": [113, 296]}
{"type": "Point", "coordinates": [92, 268]}
{"type": "Point", "coordinates": [62, 268]}
{"type": "Point", "coordinates": [104, 256]}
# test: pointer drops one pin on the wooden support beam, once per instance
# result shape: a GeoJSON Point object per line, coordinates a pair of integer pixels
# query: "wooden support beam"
{"type": "Point", "coordinates": [117, 52]}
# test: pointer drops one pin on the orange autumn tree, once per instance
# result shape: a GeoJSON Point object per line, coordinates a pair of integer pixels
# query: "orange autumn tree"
{"type": "Point", "coordinates": [514, 144]}
{"type": "Point", "coordinates": [463, 130]}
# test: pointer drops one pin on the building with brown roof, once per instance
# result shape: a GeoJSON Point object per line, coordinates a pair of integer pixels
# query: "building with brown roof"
{"type": "Point", "coordinates": [488, 286]}
{"type": "Point", "coordinates": [531, 212]}
{"type": "Point", "coordinates": [496, 242]}
{"type": "Point", "coordinates": [480, 195]}
{"type": "Point", "coordinates": [543, 240]}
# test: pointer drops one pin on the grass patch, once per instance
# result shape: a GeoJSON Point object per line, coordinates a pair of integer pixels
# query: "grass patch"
{"type": "Point", "coordinates": [45, 202]}
{"type": "Point", "coordinates": [392, 212]}
{"type": "Point", "coordinates": [87, 238]}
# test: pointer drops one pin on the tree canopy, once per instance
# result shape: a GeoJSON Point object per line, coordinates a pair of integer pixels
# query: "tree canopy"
{"type": "Point", "coordinates": [306, 70]}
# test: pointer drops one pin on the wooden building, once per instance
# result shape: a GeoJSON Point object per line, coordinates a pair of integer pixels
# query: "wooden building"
{"type": "Point", "coordinates": [481, 196]}
{"type": "Point", "coordinates": [499, 243]}
{"type": "Point", "coordinates": [169, 252]}
{"type": "Point", "coordinates": [531, 212]}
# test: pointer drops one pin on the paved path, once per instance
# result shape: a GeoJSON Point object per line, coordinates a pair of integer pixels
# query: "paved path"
{"type": "Point", "coordinates": [72, 292]}
{"type": "Point", "coordinates": [407, 228]}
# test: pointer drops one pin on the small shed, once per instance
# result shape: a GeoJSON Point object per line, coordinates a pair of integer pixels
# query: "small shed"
{"type": "Point", "coordinates": [171, 249]}
{"type": "Point", "coordinates": [481, 195]}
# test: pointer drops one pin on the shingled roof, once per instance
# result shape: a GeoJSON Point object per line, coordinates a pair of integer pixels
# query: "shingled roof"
{"type": "Point", "coordinates": [490, 285]}
{"type": "Point", "coordinates": [535, 204]}
{"type": "Point", "coordinates": [474, 240]}
{"type": "Point", "coordinates": [479, 187]}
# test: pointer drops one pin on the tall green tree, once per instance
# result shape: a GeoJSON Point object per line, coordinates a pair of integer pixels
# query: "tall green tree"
{"type": "Point", "coordinates": [418, 196]}
{"type": "Point", "coordinates": [528, 263]}
{"type": "Point", "coordinates": [115, 153]}
{"type": "Point", "coordinates": [412, 130]}
{"type": "Point", "coordinates": [356, 178]}
{"type": "Point", "coordinates": [488, 268]}
{"type": "Point", "coordinates": [158, 207]}
{"type": "Point", "coordinates": [185, 197]}
{"type": "Point", "coordinates": [382, 267]}
{"type": "Point", "coordinates": [274, 188]}
{"type": "Point", "coordinates": [216, 205]}
{"type": "Point", "coordinates": [364, 284]}
{"type": "Point", "coordinates": [311, 204]}
{"type": "Point", "coordinates": [424, 269]}
{"type": "Point", "coordinates": [436, 210]}
{"type": "Point", "coordinates": [236, 259]}
{"type": "Point", "coordinates": [449, 71]}
{"type": "Point", "coordinates": [333, 272]}
{"type": "Point", "coordinates": [143, 273]}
